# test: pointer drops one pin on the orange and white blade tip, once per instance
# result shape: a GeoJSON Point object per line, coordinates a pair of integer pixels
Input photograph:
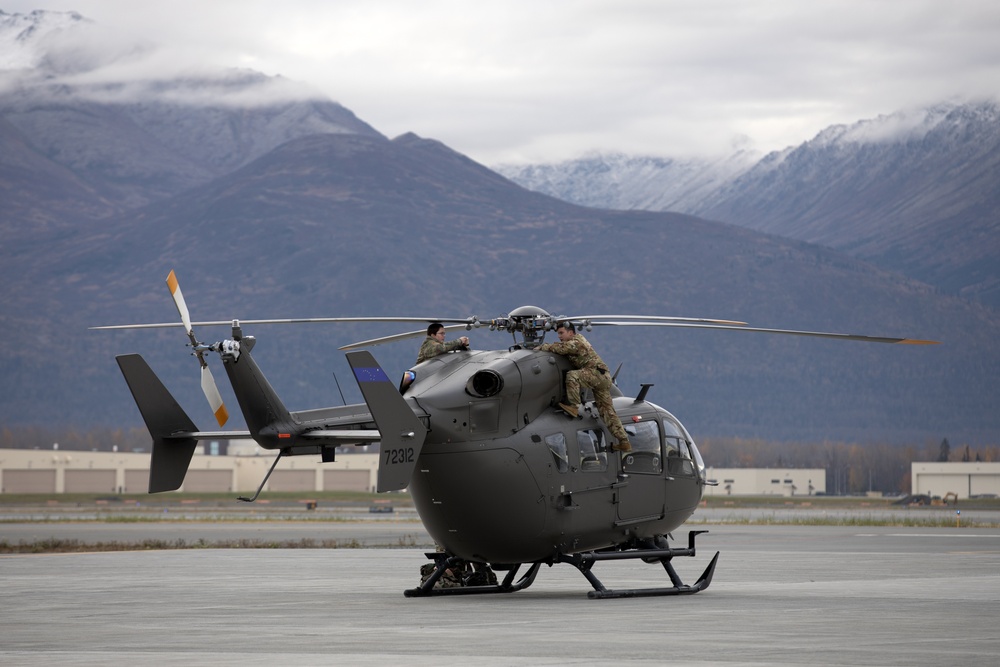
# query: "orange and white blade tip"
{"type": "Point", "coordinates": [222, 415]}
{"type": "Point", "coordinates": [175, 292]}
{"type": "Point", "coordinates": [211, 391]}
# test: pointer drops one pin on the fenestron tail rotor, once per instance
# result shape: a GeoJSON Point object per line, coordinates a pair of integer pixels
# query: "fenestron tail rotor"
{"type": "Point", "coordinates": [208, 385]}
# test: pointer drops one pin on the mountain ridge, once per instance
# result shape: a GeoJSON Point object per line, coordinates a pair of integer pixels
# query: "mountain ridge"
{"type": "Point", "coordinates": [345, 225]}
{"type": "Point", "coordinates": [308, 222]}
{"type": "Point", "coordinates": [913, 191]}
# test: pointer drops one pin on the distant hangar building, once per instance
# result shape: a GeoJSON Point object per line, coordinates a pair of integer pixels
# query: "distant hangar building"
{"type": "Point", "coordinates": [964, 479]}
{"type": "Point", "coordinates": [68, 471]}
{"type": "Point", "coordinates": [766, 481]}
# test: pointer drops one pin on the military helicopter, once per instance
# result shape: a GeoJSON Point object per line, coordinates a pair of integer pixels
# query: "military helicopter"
{"type": "Point", "coordinates": [501, 477]}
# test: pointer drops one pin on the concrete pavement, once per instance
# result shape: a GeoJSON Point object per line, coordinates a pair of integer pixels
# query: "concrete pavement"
{"type": "Point", "coordinates": [782, 595]}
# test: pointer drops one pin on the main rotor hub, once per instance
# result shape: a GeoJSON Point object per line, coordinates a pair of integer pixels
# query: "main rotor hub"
{"type": "Point", "coordinates": [531, 322]}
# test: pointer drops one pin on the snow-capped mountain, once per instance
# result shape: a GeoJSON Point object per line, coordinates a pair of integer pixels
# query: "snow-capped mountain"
{"type": "Point", "coordinates": [915, 191]}
{"type": "Point", "coordinates": [27, 41]}
{"type": "Point", "coordinates": [104, 107]}
{"type": "Point", "coordinates": [624, 182]}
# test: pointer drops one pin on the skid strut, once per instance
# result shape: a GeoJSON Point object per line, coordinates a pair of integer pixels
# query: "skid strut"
{"type": "Point", "coordinates": [583, 562]}
{"type": "Point", "coordinates": [263, 481]}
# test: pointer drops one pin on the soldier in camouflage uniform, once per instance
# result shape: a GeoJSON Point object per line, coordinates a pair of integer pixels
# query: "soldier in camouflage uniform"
{"type": "Point", "coordinates": [463, 573]}
{"type": "Point", "coordinates": [590, 371]}
{"type": "Point", "coordinates": [433, 346]}
{"type": "Point", "coordinates": [434, 343]}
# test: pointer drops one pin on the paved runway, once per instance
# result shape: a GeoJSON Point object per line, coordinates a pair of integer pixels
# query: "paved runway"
{"type": "Point", "coordinates": [378, 533]}
{"type": "Point", "coordinates": [782, 595]}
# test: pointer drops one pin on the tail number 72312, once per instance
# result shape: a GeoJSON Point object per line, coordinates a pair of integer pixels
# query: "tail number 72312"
{"type": "Point", "coordinates": [400, 455]}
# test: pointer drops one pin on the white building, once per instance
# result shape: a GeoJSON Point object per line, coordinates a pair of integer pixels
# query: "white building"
{"type": "Point", "coordinates": [766, 481]}
{"type": "Point", "coordinates": [964, 479]}
{"type": "Point", "coordinates": [61, 471]}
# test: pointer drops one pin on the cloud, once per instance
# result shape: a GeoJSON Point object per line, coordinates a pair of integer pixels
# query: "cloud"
{"type": "Point", "coordinates": [62, 55]}
{"type": "Point", "coordinates": [531, 81]}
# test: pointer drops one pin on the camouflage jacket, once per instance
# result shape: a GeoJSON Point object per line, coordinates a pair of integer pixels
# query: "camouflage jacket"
{"type": "Point", "coordinates": [578, 351]}
{"type": "Point", "coordinates": [432, 348]}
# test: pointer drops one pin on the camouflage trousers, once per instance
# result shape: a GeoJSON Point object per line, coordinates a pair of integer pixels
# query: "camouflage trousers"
{"type": "Point", "coordinates": [600, 383]}
{"type": "Point", "coordinates": [463, 573]}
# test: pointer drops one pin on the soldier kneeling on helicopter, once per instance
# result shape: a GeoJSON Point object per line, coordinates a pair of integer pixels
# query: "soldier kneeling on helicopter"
{"type": "Point", "coordinates": [589, 371]}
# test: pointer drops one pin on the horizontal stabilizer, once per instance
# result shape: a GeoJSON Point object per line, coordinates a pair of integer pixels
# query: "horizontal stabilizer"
{"type": "Point", "coordinates": [356, 435]}
{"type": "Point", "coordinates": [167, 422]}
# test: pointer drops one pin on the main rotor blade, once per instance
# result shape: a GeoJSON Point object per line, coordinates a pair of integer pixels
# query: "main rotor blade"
{"type": "Point", "coordinates": [395, 337]}
{"type": "Point", "coordinates": [465, 321]}
{"type": "Point", "coordinates": [816, 334]}
{"type": "Point", "coordinates": [214, 397]}
{"type": "Point", "coordinates": [305, 320]}
{"type": "Point", "coordinates": [652, 318]}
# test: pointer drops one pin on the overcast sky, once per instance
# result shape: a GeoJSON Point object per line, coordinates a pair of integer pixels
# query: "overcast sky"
{"type": "Point", "coordinates": [538, 80]}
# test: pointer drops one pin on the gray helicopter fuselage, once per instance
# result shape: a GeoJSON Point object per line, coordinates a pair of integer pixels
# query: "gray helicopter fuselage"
{"type": "Point", "coordinates": [505, 478]}
{"type": "Point", "coordinates": [498, 471]}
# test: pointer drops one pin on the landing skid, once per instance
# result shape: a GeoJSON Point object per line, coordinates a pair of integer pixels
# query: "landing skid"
{"type": "Point", "coordinates": [583, 562]}
{"type": "Point", "coordinates": [444, 561]}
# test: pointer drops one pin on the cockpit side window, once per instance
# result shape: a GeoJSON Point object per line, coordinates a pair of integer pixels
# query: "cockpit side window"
{"type": "Point", "coordinates": [671, 447]}
{"type": "Point", "coordinates": [593, 457]}
{"type": "Point", "coordinates": [557, 445]}
{"type": "Point", "coordinates": [645, 455]}
{"type": "Point", "coordinates": [671, 429]}
{"type": "Point", "coordinates": [679, 457]}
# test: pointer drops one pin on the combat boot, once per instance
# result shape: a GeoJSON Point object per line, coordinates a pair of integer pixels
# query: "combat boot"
{"type": "Point", "coordinates": [571, 410]}
{"type": "Point", "coordinates": [426, 570]}
{"type": "Point", "coordinates": [622, 446]}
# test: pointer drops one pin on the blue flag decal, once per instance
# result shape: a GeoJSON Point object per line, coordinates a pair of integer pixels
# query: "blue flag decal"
{"type": "Point", "coordinates": [375, 374]}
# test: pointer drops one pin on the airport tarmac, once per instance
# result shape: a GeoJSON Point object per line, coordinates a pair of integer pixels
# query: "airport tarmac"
{"type": "Point", "coordinates": [782, 595]}
{"type": "Point", "coordinates": [403, 532]}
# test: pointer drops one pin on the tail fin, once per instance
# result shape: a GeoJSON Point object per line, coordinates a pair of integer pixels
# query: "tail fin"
{"type": "Point", "coordinates": [266, 416]}
{"type": "Point", "coordinates": [402, 432]}
{"type": "Point", "coordinates": [166, 421]}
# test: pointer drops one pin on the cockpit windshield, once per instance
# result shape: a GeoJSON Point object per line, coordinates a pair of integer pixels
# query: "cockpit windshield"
{"type": "Point", "coordinates": [698, 461]}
